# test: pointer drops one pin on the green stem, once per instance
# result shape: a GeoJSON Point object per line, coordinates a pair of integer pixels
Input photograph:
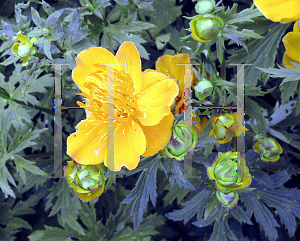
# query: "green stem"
{"type": "Point", "coordinates": [50, 112]}
{"type": "Point", "coordinates": [223, 69]}
{"type": "Point", "coordinates": [59, 47]}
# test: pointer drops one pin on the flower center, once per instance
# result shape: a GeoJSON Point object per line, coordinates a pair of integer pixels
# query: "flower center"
{"type": "Point", "coordinates": [124, 99]}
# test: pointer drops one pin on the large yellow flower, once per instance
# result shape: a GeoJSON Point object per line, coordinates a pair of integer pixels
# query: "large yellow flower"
{"type": "Point", "coordinates": [173, 67]}
{"type": "Point", "coordinates": [142, 100]}
{"type": "Point", "coordinates": [292, 45]}
{"type": "Point", "coordinates": [279, 10]}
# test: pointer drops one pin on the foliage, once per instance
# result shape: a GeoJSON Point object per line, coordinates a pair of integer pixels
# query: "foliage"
{"type": "Point", "coordinates": [36, 206]}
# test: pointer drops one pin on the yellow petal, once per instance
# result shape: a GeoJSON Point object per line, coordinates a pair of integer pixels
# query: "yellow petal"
{"type": "Point", "coordinates": [85, 65]}
{"type": "Point", "coordinates": [157, 95]}
{"type": "Point", "coordinates": [292, 45]}
{"type": "Point", "coordinates": [279, 10]}
{"type": "Point", "coordinates": [158, 136]}
{"type": "Point", "coordinates": [22, 38]}
{"type": "Point", "coordinates": [130, 143]}
{"type": "Point", "coordinates": [130, 59]}
{"type": "Point", "coordinates": [15, 48]}
{"type": "Point", "coordinates": [174, 66]}
{"type": "Point", "coordinates": [287, 61]}
{"type": "Point", "coordinates": [89, 143]}
{"type": "Point", "coordinates": [163, 64]}
{"type": "Point", "coordinates": [296, 26]}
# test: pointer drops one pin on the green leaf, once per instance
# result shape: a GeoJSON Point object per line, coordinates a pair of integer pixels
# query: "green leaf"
{"type": "Point", "coordinates": [255, 111]}
{"type": "Point", "coordinates": [47, 47]}
{"type": "Point", "coordinates": [262, 53]}
{"type": "Point", "coordinates": [262, 214]}
{"type": "Point", "coordinates": [164, 14]}
{"type": "Point", "coordinates": [162, 40]}
{"type": "Point", "coordinates": [286, 73]}
{"type": "Point", "coordinates": [246, 15]}
{"type": "Point", "coordinates": [191, 207]}
{"type": "Point", "coordinates": [61, 192]}
{"type": "Point", "coordinates": [23, 164]}
{"type": "Point", "coordinates": [144, 188]}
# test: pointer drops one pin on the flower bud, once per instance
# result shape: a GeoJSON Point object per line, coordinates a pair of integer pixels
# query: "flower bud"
{"type": "Point", "coordinates": [225, 127]}
{"type": "Point", "coordinates": [24, 51]}
{"type": "Point", "coordinates": [203, 89]}
{"type": "Point", "coordinates": [229, 200]}
{"type": "Point", "coordinates": [184, 138]}
{"type": "Point", "coordinates": [205, 6]}
{"type": "Point", "coordinates": [230, 172]}
{"type": "Point", "coordinates": [205, 29]}
{"type": "Point", "coordinates": [268, 149]}
{"type": "Point", "coordinates": [46, 31]}
{"type": "Point", "coordinates": [88, 181]}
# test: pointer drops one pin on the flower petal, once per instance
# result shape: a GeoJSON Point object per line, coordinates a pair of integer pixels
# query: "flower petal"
{"type": "Point", "coordinates": [287, 61]}
{"type": "Point", "coordinates": [22, 38]}
{"type": "Point", "coordinates": [292, 45]}
{"type": "Point", "coordinates": [15, 48]}
{"type": "Point", "coordinates": [89, 143]}
{"type": "Point", "coordinates": [157, 95]}
{"type": "Point", "coordinates": [130, 59]}
{"type": "Point", "coordinates": [279, 10]}
{"type": "Point", "coordinates": [296, 27]}
{"type": "Point", "coordinates": [158, 136]}
{"type": "Point", "coordinates": [130, 143]}
{"type": "Point", "coordinates": [85, 65]}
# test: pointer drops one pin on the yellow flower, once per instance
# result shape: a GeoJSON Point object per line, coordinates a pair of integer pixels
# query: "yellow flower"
{"type": "Point", "coordinates": [279, 10]}
{"type": "Point", "coordinates": [25, 49]}
{"type": "Point", "coordinates": [292, 45]}
{"type": "Point", "coordinates": [173, 67]}
{"type": "Point", "coordinates": [142, 100]}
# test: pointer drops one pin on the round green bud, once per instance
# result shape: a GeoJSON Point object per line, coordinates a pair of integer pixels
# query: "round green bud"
{"type": "Point", "coordinates": [203, 89]}
{"type": "Point", "coordinates": [24, 51]}
{"type": "Point", "coordinates": [229, 200]}
{"type": "Point", "coordinates": [46, 31]}
{"type": "Point", "coordinates": [184, 138]}
{"type": "Point", "coordinates": [230, 172]}
{"type": "Point", "coordinates": [205, 29]}
{"type": "Point", "coordinates": [205, 7]}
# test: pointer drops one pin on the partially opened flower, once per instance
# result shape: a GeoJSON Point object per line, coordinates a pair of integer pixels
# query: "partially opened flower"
{"type": "Point", "coordinates": [279, 10]}
{"type": "Point", "coordinates": [88, 181]}
{"type": "Point", "coordinates": [225, 126]}
{"type": "Point", "coordinates": [268, 149]}
{"type": "Point", "coordinates": [173, 66]}
{"type": "Point", "coordinates": [142, 100]}
{"type": "Point", "coordinates": [230, 172]}
{"type": "Point", "coordinates": [292, 47]}
{"type": "Point", "coordinates": [25, 49]}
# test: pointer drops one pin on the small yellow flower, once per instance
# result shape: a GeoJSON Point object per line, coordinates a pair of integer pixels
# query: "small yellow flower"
{"type": "Point", "coordinates": [142, 117]}
{"type": "Point", "coordinates": [279, 10]}
{"type": "Point", "coordinates": [173, 66]}
{"type": "Point", "coordinates": [25, 49]}
{"type": "Point", "coordinates": [292, 45]}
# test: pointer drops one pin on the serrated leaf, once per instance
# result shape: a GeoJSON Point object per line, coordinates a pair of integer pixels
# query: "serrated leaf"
{"type": "Point", "coordinates": [287, 203]}
{"type": "Point", "coordinates": [262, 214]}
{"type": "Point", "coordinates": [262, 53]}
{"type": "Point", "coordinates": [144, 189]}
{"type": "Point", "coordinates": [192, 207]}
{"type": "Point", "coordinates": [36, 18]}
{"type": "Point", "coordinates": [245, 16]}
{"type": "Point", "coordinates": [53, 18]}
